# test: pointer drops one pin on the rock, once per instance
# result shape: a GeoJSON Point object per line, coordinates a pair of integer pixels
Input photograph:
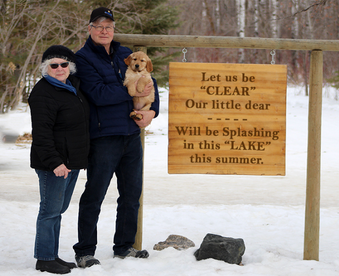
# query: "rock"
{"type": "Point", "coordinates": [176, 241]}
{"type": "Point", "coordinates": [9, 137]}
{"type": "Point", "coordinates": [221, 248]}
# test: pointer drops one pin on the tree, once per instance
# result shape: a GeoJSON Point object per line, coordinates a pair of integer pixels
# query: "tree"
{"type": "Point", "coordinates": [145, 17]}
{"type": "Point", "coordinates": [241, 26]}
{"type": "Point", "coordinates": [295, 19]}
{"type": "Point", "coordinates": [28, 28]}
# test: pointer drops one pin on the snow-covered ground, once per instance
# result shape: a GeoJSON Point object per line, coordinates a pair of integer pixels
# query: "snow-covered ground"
{"type": "Point", "coordinates": [268, 212]}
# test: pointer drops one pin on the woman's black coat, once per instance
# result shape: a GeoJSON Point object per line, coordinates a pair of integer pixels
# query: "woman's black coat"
{"type": "Point", "coordinates": [59, 126]}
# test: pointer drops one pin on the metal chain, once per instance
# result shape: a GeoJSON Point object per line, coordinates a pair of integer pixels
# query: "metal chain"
{"type": "Point", "coordinates": [273, 55]}
{"type": "Point", "coordinates": [184, 51]}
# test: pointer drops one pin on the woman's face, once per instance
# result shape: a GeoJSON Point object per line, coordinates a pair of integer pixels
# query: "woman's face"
{"type": "Point", "coordinates": [60, 73]}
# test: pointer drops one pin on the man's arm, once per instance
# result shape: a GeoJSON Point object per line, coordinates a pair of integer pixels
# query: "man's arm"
{"type": "Point", "coordinates": [153, 112]}
{"type": "Point", "coordinates": [100, 92]}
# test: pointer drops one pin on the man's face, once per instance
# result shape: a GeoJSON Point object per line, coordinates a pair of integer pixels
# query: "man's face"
{"type": "Point", "coordinates": [102, 37]}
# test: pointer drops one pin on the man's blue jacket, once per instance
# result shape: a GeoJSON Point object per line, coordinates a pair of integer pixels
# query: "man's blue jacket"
{"type": "Point", "coordinates": [102, 77]}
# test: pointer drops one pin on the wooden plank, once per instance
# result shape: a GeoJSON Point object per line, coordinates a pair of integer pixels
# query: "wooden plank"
{"type": "Point", "coordinates": [226, 42]}
{"type": "Point", "coordinates": [227, 118]}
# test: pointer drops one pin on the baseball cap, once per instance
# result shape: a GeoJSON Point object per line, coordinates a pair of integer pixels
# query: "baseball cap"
{"type": "Point", "coordinates": [101, 12]}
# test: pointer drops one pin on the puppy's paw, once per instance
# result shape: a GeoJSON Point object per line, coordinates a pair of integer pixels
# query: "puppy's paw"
{"type": "Point", "coordinates": [132, 114]}
{"type": "Point", "coordinates": [135, 116]}
{"type": "Point", "coordinates": [138, 117]}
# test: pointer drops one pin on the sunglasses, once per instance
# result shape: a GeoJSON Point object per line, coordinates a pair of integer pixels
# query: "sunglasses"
{"type": "Point", "coordinates": [56, 65]}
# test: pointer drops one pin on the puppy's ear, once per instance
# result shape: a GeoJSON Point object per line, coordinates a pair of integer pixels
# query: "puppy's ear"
{"type": "Point", "coordinates": [128, 60]}
{"type": "Point", "coordinates": [149, 65]}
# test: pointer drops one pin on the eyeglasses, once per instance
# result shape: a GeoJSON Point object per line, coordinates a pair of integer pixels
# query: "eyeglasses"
{"type": "Point", "coordinates": [56, 65]}
{"type": "Point", "coordinates": [100, 28]}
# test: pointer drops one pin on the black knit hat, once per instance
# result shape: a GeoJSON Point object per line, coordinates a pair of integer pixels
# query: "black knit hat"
{"type": "Point", "coordinates": [101, 12]}
{"type": "Point", "coordinates": [58, 51]}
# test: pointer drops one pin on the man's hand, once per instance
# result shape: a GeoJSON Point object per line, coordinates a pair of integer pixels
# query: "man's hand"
{"type": "Point", "coordinates": [61, 171]}
{"type": "Point", "coordinates": [147, 89]}
{"type": "Point", "coordinates": [147, 117]}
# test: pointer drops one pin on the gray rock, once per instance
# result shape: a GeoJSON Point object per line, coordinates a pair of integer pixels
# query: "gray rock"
{"type": "Point", "coordinates": [9, 137]}
{"type": "Point", "coordinates": [221, 248]}
{"type": "Point", "coordinates": [176, 241]}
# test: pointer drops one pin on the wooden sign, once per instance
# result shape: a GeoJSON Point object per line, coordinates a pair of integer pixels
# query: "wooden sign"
{"type": "Point", "coordinates": [227, 118]}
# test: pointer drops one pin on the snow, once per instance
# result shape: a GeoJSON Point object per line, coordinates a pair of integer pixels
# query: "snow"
{"type": "Point", "coordinates": [267, 212]}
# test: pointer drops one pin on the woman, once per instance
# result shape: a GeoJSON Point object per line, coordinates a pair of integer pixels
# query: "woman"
{"type": "Point", "coordinates": [59, 114]}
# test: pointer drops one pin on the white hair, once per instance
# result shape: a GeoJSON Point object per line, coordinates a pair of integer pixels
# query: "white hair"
{"type": "Point", "coordinates": [100, 19]}
{"type": "Point", "coordinates": [44, 66]}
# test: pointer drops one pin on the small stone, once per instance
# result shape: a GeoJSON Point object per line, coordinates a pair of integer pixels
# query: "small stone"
{"type": "Point", "coordinates": [175, 241]}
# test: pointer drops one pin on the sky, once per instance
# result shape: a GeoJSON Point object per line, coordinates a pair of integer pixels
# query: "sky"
{"type": "Point", "coordinates": [267, 212]}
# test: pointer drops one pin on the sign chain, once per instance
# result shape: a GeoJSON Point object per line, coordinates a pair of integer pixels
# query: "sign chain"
{"type": "Point", "coordinates": [273, 56]}
{"type": "Point", "coordinates": [184, 51]}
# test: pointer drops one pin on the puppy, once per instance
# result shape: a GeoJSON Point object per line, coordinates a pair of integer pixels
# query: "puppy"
{"type": "Point", "coordinates": [139, 68]}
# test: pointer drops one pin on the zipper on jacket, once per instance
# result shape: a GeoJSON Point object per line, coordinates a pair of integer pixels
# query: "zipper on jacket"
{"type": "Point", "coordinates": [66, 151]}
{"type": "Point", "coordinates": [116, 71]}
{"type": "Point", "coordinates": [99, 124]}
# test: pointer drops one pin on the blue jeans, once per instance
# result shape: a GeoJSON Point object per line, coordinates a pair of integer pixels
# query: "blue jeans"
{"type": "Point", "coordinates": [121, 155]}
{"type": "Point", "coordinates": [55, 196]}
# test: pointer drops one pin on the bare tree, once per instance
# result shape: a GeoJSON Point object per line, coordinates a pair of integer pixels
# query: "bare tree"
{"type": "Point", "coordinates": [241, 26]}
{"type": "Point", "coordinates": [36, 26]}
{"type": "Point", "coordinates": [274, 22]}
{"type": "Point", "coordinates": [217, 15]}
{"type": "Point", "coordinates": [296, 19]}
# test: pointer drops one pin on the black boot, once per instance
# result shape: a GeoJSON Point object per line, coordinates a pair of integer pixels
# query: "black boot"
{"type": "Point", "coordinates": [62, 262]}
{"type": "Point", "coordinates": [52, 267]}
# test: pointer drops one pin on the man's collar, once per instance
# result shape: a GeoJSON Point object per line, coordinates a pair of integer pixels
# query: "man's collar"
{"type": "Point", "coordinates": [111, 50]}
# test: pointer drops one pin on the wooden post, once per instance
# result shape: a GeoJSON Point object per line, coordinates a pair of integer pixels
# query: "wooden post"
{"type": "Point", "coordinates": [312, 210]}
{"type": "Point", "coordinates": [138, 237]}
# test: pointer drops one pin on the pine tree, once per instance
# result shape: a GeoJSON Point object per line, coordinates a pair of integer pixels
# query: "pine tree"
{"type": "Point", "coordinates": [145, 17]}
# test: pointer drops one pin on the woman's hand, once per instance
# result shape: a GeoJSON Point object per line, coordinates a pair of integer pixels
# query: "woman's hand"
{"type": "Point", "coordinates": [61, 171]}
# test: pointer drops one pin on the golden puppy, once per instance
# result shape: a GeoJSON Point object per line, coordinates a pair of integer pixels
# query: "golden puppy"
{"type": "Point", "coordinates": [139, 68]}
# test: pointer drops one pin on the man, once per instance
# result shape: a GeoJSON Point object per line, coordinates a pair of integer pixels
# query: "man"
{"type": "Point", "coordinates": [115, 140]}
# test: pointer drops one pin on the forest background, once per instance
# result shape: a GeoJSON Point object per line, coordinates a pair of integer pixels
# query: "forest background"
{"type": "Point", "coordinates": [29, 27]}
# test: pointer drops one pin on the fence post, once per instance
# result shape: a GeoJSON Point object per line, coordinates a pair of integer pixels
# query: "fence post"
{"type": "Point", "coordinates": [138, 237]}
{"type": "Point", "coordinates": [312, 210]}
